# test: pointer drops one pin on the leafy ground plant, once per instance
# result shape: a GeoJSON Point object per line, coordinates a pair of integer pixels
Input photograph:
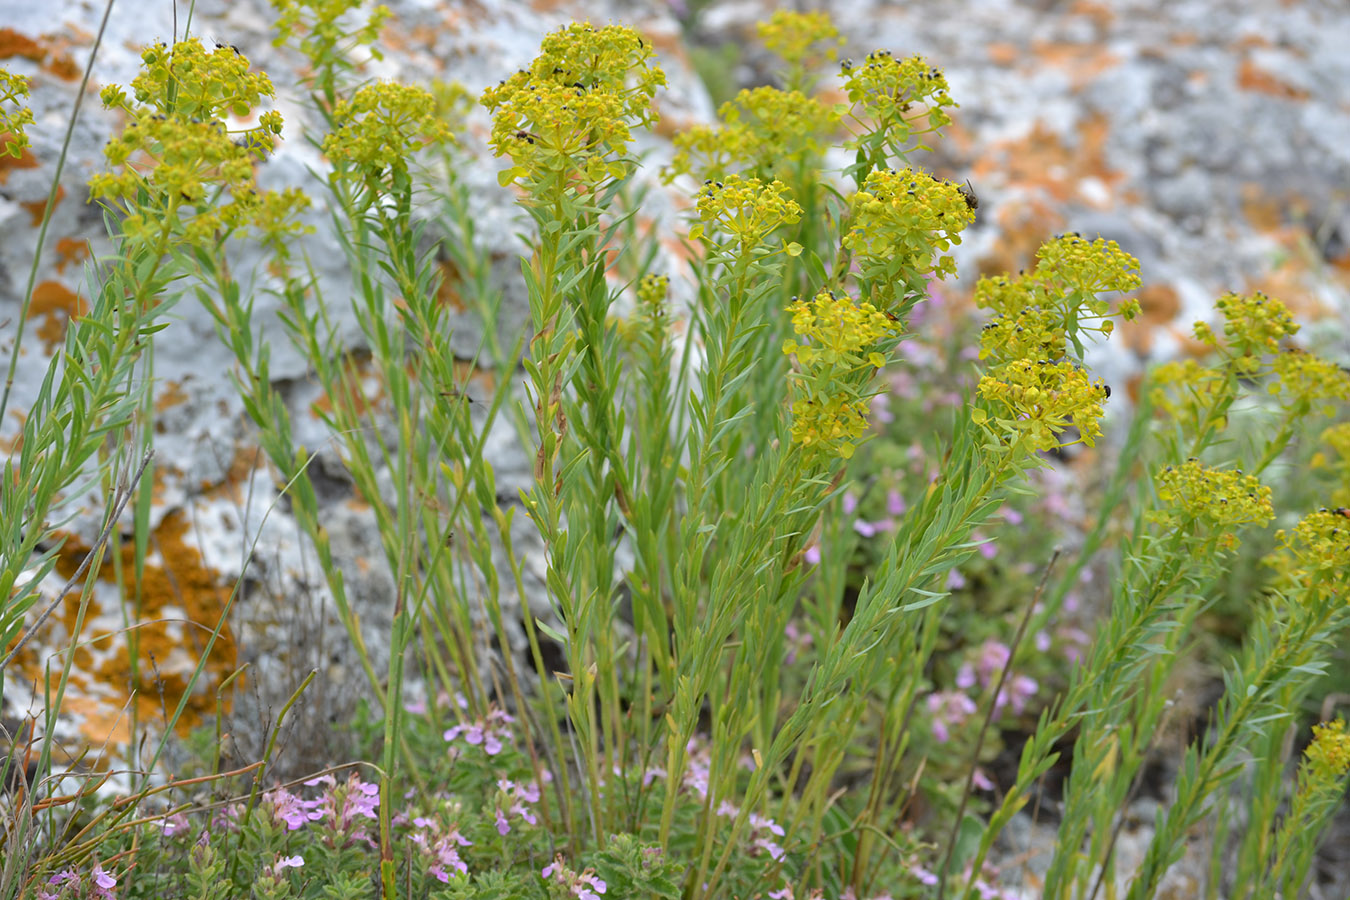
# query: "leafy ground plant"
{"type": "Point", "coordinates": [758, 546]}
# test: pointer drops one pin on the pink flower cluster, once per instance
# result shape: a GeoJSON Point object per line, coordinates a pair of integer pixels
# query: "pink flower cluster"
{"type": "Point", "coordinates": [342, 807]}
{"type": "Point", "coordinates": [585, 885]}
{"type": "Point", "coordinates": [491, 733]}
{"type": "Point", "coordinates": [67, 882]}
{"type": "Point", "coordinates": [514, 798]}
{"type": "Point", "coordinates": [442, 846]}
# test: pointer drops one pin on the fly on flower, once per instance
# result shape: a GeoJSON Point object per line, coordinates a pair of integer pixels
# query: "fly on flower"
{"type": "Point", "coordinates": [967, 192]}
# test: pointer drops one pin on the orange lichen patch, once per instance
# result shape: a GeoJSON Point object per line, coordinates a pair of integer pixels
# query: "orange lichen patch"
{"type": "Point", "coordinates": [447, 292]}
{"type": "Point", "coordinates": [38, 208]}
{"type": "Point", "coordinates": [1022, 228]}
{"type": "Point", "coordinates": [57, 61]}
{"type": "Point", "coordinates": [1100, 14]}
{"type": "Point", "coordinates": [1160, 304]}
{"type": "Point", "coordinates": [172, 395]}
{"type": "Point", "coordinates": [355, 397]}
{"type": "Point", "coordinates": [100, 723]}
{"type": "Point", "coordinates": [1252, 77]}
{"type": "Point", "coordinates": [1263, 211]}
{"type": "Point", "coordinates": [25, 159]}
{"type": "Point", "coordinates": [13, 445]}
{"type": "Point", "coordinates": [178, 586]}
{"type": "Point", "coordinates": [58, 304]}
{"type": "Point", "coordinates": [1003, 54]}
{"type": "Point", "coordinates": [1251, 39]}
{"type": "Point", "coordinates": [1082, 62]}
{"type": "Point", "coordinates": [1041, 159]}
{"type": "Point", "coordinates": [13, 44]}
{"type": "Point", "coordinates": [63, 66]}
{"type": "Point", "coordinates": [70, 250]}
{"type": "Point", "coordinates": [243, 463]}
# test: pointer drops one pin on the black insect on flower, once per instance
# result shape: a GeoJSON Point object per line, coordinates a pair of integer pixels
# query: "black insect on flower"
{"type": "Point", "coordinates": [968, 194]}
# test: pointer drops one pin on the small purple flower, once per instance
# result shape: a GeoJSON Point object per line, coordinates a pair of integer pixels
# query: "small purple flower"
{"type": "Point", "coordinates": [103, 884]}
{"type": "Point", "coordinates": [870, 529]}
{"type": "Point", "coordinates": [949, 709]}
{"type": "Point", "coordinates": [288, 808]}
{"type": "Point", "coordinates": [924, 876]}
{"type": "Point", "coordinates": [881, 409]}
{"type": "Point", "coordinates": [993, 658]}
{"type": "Point", "coordinates": [812, 555]}
{"type": "Point", "coordinates": [173, 824]}
{"type": "Point", "coordinates": [850, 503]}
{"type": "Point", "coordinates": [895, 502]}
{"type": "Point", "coordinates": [955, 580]}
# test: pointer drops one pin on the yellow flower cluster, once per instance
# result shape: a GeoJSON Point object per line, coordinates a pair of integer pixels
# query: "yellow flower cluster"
{"type": "Point", "coordinates": [323, 27]}
{"type": "Point", "coordinates": [840, 332]}
{"type": "Point", "coordinates": [761, 131]}
{"type": "Point", "coordinates": [1320, 544]}
{"type": "Point", "coordinates": [1030, 332]}
{"type": "Point", "coordinates": [885, 89]}
{"type": "Point", "coordinates": [843, 344]}
{"type": "Point", "coordinates": [13, 88]}
{"type": "Point", "coordinates": [831, 425]}
{"type": "Point", "coordinates": [176, 153]}
{"type": "Point", "coordinates": [572, 110]}
{"type": "Point", "coordinates": [1088, 267]}
{"type": "Point", "coordinates": [1040, 399]}
{"type": "Point", "coordinates": [747, 208]}
{"type": "Point", "coordinates": [1253, 325]}
{"type": "Point", "coordinates": [1214, 499]}
{"type": "Point", "coordinates": [800, 39]}
{"type": "Point", "coordinates": [1032, 386]}
{"type": "Point", "coordinates": [1185, 390]}
{"type": "Point", "coordinates": [1337, 438]}
{"type": "Point", "coordinates": [382, 125]}
{"type": "Point", "coordinates": [1036, 314]}
{"type": "Point", "coordinates": [902, 221]}
{"type": "Point", "coordinates": [1329, 753]}
{"type": "Point", "coordinates": [652, 290]}
{"type": "Point", "coordinates": [1307, 379]}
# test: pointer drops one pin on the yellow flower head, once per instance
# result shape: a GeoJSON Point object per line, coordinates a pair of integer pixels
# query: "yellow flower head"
{"type": "Point", "coordinates": [1216, 500]}
{"type": "Point", "coordinates": [830, 425]}
{"type": "Point", "coordinates": [1040, 313]}
{"type": "Point", "coordinates": [13, 88]}
{"type": "Point", "coordinates": [1253, 325]}
{"type": "Point", "coordinates": [762, 131]}
{"type": "Point", "coordinates": [839, 332]}
{"type": "Point", "coordinates": [746, 208]}
{"type": "Point", "coordinates": [1329, 753]}
{"type": "Point", "coordinates": [1307, 380]}
{"type": "Point", "coordinates": [573, 108]}
{"type": "Point", "coordinates": [1041, 399]}
{"type": "Point", "coordinates": [903, 221]}
{"type": "Point", "coordinates": [328, 31]}
{"type": "Point", "coordinates": [1184, 390]}
{"type": "Point", "coordinates": [1088, 267]}
{"type": "Point", "coordinates": [1320, 544]}
{"type": "Point", "coordinates": [800, 39]}
{"type": "Point", "coordinates": [176, 153]}
{"type": "Point", "coordinates": [383, 125]}
{"type": "Point", "coordinates": [886, 90]}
